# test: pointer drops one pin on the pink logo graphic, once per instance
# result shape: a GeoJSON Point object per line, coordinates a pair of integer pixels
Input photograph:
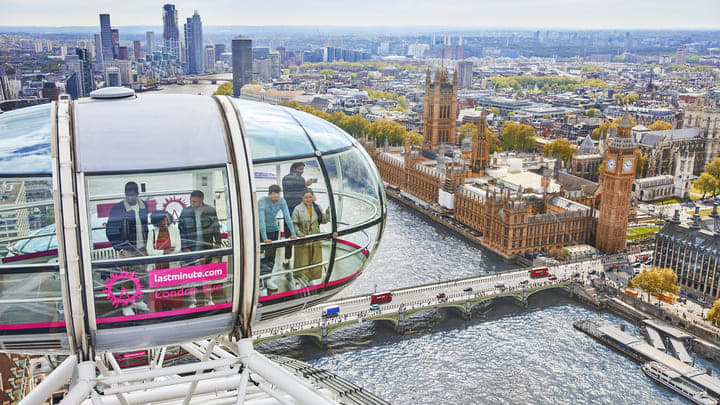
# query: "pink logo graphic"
{"type": "Point", "coordinates": [174, 205]}
{"type": "Point", "coordinates": [124, 296]}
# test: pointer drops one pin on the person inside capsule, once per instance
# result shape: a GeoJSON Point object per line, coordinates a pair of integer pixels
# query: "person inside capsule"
{"type": "Point", "coordinates": [268, 208]}
{"type": "Point", "coordinates": [127, 225]}
{"type": "Point", "coordinates": [199, 226]}
{"type": "Point", "coordinates": [307, 218]}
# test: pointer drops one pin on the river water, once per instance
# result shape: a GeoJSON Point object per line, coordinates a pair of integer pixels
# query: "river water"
{"type": "Point", "coordinates": [508, 356]}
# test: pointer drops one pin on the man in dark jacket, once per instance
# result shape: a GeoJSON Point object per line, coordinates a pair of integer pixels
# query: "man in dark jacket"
{"type": "Point", "coordinates": [127, 225]}
{"type": "Point", "coordinates": [199, 226]}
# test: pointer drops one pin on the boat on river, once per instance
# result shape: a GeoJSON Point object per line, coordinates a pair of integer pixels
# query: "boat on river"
{"type": "Point", "coordinates": [677, 383]}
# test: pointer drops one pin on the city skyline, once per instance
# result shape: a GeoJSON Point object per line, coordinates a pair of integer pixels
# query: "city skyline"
{"type": "Point", "coordinates": [556, 14]}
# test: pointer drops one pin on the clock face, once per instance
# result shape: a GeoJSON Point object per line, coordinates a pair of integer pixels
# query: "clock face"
{"type": "Point", "coordinates": [627, 165]}
{"type": "Point", "coordinates": [611, 164]}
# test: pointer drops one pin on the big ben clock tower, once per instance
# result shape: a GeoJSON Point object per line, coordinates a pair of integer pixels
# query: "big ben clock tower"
{"type": "Point", "coordinates": [616, 190]}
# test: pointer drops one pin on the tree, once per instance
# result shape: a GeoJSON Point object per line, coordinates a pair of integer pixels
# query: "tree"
{"type": "Point", "coordinates": [517, 136]}
{"type": "Point", "coordinates": [415, 138]}
{"type": "Point", "coordinates": [713, 169]}
{"type": "Point", "coordinates": [640, 161]}
{"type": "Point", "coordinates": [660, 126]}
{"type": "Point", "coordinates": [356, 125]}
{"type": "Point", "coordinates": [495, 110]}
{"type": "Point", "coordinates": [560, 149]}
{"type": "Point", "coordinates": [706, 183]}
{"type": "Point", "coordinates": [224, 89]}
{"type": "Point", "coordinates": [713, 314]}
{"type": "Point", "coordinates": [631, 98]}
{"type": "Point", "coordinates": [467, 130]}
{"type": "Point", "coordinates": [494, 142]}
{"type": "Point", "coordinates": [602, 131]}
{"type": "Point", "coordinates": [547, 116]}
{"type": "Point", "coordinates": [590, 112]}
{"type": "Point", "coordinates": [657, 281]}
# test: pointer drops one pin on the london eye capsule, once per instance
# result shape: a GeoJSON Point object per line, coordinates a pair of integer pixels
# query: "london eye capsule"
{"type": "Point", "coordinates": [139, 221]}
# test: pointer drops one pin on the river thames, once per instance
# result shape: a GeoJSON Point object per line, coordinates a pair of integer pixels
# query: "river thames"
{"type": "Point", "coordinates": [508, 356]}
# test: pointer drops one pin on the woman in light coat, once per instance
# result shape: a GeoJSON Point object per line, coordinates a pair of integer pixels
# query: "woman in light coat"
{"type": "Point", "coordinates": [163, 239]}
{"type": "Point", "coordinates": [307, 218]}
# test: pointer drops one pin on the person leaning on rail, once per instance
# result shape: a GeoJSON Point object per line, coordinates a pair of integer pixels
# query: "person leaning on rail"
{"type": "Point", "coordinates": [268, 207]}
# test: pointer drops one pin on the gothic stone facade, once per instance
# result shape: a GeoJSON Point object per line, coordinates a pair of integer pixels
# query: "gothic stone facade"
{"type": "Point", "coordinates": [440, 110]}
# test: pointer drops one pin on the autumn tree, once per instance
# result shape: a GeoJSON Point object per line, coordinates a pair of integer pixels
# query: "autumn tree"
{"type": "Point", "coordinates": [495, 110]}
{"type": "Point", "coordinates": [660, 126]}
{"type": "Point", "coordinates": [713, 314]}
{"type": "Point", "coordinates": [713, 168]}
{"type": "Point", "coordinates": [224, 89]}
{"type": "Point", "coordinates": [657, 281]}
{"type": "Point", "coordinates": [590, 112]}
{"type": "Point", "coordinates": [560, 149]}
{"type": "Point", "coordinates": [640, 161]}
{"type": "Point", "coordinates": [517, 136]}
{"type": "Point", "coordinates": [706, 183]}
{"type": "Point", "coordinates": [494, 141]}
{"type": "Point", "coordinates": [466, 131]}
{"type": "Point", "coordinates": [415, 138]}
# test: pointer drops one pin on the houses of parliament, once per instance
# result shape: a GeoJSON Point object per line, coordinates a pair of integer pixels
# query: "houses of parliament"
{"type": "Point", "coordinates": [517, 203]}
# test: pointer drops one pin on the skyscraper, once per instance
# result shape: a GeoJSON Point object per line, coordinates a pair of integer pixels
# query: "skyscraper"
{"type": "Point", "coordinates": [98, 53]}
{"type": "Point", "coordinates": [106, 37]}
{"type": "Point", "coordinates": [171, 34]}
{"type": "Point", "coordinates": [219, 50]}
{"type": "Point", "coordinates": [464, 70]}
{"type": "Point", "coordinates": [86, 76]}
{"type": "Point", "coordinates": [115, 43]}
{"type": "Point", "coordinates": [122, 53]}
{"type": "Point", "coordinates": [194, 51]}
{"type": "Point", "coordinates": [150, 39]}
{"type": "Point", "coordinates": [241, 63]}
{"type": "Point", "coordinates": [209, 57]}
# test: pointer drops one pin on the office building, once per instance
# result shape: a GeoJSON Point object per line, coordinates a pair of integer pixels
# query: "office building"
{"type": "Point", "coordinates": [98, 53]}
{"type": "Point", "coordinates": [150, 42]}
{"type": "Point", "coordinates": [74, 65]}
{"type": "Point", "coordinates": [112, 77]}
{"type": "Point", "coordinates": [275, 64]}
{"type": "Point", "coordinates": [194, 50]}
{"type": "Point", "coordinates": [261, 69]}
{"type": "Point", "coordinates": [106, 38]}
{"type": "Point", "coordinates": [219, 50]}
{"type": "Point", "coordinates": [124, 68]}
{"type": "Point", "coordinates": [241, 63]}
{"type": "Point", "coordinates": [171, 34]}
{"type": "Point", "coordinates": [72, 86]}
{"type": "Point", "coordinates": [464, 71]}
{"type": "Point", "coordinates": [122, 53]}
{"type": "Point", "coordinates": [115, 34]}
{"type": "Point", "coordinates": [86, 76]}
{"type": "Point", "coordinates": [261, 53]}
{"type": "Point", "coordinates": [692, 250]}
{"type": "Point", "coordinates": [209, 57]}
{"type": "Point", "coordinates": [137, 51]}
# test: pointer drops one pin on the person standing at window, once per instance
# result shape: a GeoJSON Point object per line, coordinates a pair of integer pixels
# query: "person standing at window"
{"type": "Point", "coordinates": [199, 226]}
{"type": "Point", "coordinates": [294, 185]}
{"type": "Point", "coordinates": [127, 225]}
{"type": "Point", "coordinates": [307, 218]}
{"type": "Point", "coordinates": [268, 208]}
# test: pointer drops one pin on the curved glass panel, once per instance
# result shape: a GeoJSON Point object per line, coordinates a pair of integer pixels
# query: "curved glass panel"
{"type": "Point", "coordinates": [325, 136]}
{"type": "Point", "coordinates": [355, 188]}
{"type": "Point", "coordinates": [164, 246]}
{"type": "Point", "coordinates": [353, 253]}
{"type": "Point", "coordinates": [272, 131]}
{"type": "Point", "coordinates": [30, 291]}
{"type": "Point", "coordinates": [295, 226]}
{"type": "Point", "coordinates": [25, 141]}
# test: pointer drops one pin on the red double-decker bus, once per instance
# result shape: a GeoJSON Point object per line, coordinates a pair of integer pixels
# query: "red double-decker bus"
{"type": "Point", "coordinates": [379, 298]}
{"type": "Point", "coordinates": [539, 272]}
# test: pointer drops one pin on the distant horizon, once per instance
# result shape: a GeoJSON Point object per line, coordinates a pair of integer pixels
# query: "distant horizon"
{"type": "Point", "coordinates": [398, 14]}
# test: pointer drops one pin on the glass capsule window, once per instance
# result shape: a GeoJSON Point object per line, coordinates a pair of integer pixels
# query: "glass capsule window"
{"type": "Point", "coordinates": [161, 246]}
{"type": "Point", "coordinates": [295, 224]}
{"type": "Point", "coordinates": [30, 291]}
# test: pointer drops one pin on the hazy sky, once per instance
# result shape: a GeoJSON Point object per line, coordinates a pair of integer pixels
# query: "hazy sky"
{"type": "Point", "coordinates": [622, 14]}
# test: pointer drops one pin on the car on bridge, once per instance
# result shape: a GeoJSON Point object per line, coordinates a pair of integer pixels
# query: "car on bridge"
{"type": "Point", "coordinates": [552, 277]}
{"type": "Point", "coordinates": [468, 289]}
{"type": "Point", "coordinates": [442, 297]}
{"type": "Point", "coordinates": [374, 307]}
